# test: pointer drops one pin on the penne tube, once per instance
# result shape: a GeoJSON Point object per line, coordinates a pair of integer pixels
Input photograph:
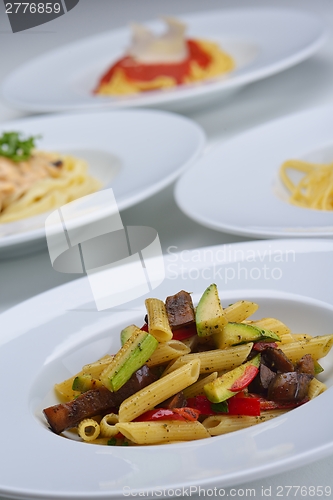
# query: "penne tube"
{"type": "Point", "coordinates": [95, 369]}
{"type": "Point", "coordinates": [239, 311]}
{"type": "Point", "coordinates": [272, 324]}
{"type": "Point", "coordinates": [159, 391]}
{"type": "Point", "coordinates": [215, 360]}
{"type": "Point", "coordinates": [162, 432]}
{"type": "Point", "coordinates": [301, 336]}
{"type": "Point", "coordinates": [64, 389]}
{"type": "Point", "coordinates": [88, 429]}
{"type": "Point", "coordinates": [197, 387]}
{"type": "Point", "coordinates": [318, 347]}
{"type": "Point", "coordinates": [107, 425]}
{"type": "Point", "coordinates": [223, 424]}
{"type": "Point", "coordinates": [316, 388]}
{"type": "Point", "coordinates": [191, 342]}
{"type": "Point", "coordinates": [167, 351]}
{"type": "Point", "coordinates": [158, 323]}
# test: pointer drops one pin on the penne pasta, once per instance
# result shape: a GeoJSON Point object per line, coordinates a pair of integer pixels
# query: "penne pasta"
{"type": "Point", "coordinates": [158, 323]}
{"type": "Point", "coordinates": [318, 347]}
{"type": "Point", "coordinates": [272, 324]}
{"type": "Point", "coordinates": [223, 424]}
{"type": "Point", "coordinates": [88, 429]}
{"type": "Point", "coordinates": [162, 432]}
{"type": "Point", "coordinates": [240, 310]}
{"type": "Point", "coordinates": [197, 387]}
{"type": "Point", "coordinates": [167, 351]}
{"type": "Point", "coordinates": [215, 360]}
{"type": "Point", "coordinates": [316, 388]}
{"type": "Point", "coordinates": [107, 425]}
{"type": "Point", "coordinates": [159, 391]}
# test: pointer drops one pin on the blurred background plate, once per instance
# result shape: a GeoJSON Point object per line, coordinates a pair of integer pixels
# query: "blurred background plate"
{"type": "Point", "coordinates": [235, 187]}
{"type": "Point", "coordinates": [137, 153]}
{"type": "Point", "coordinates": [263, 42]}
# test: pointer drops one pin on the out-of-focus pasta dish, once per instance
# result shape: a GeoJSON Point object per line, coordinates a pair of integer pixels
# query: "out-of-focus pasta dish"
{"type": "Point", "coordinates": [160, 62]}
{"type": "Point", "coordinates": [190, 373]}
{"type": "Point", "coordinates": [33, 182]}
{"type": "Point", "coordinates": [314, 189]}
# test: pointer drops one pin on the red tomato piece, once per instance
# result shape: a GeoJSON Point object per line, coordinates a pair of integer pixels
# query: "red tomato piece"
{"type": "Point", "coordinates": [159, 414]}
{"type": "Point", "coordinates": [190, 414]}
{"type": "Point", "coordinates": [144, 328]}
{"type": "Point", "coordinates": [244, 406]}
{"type": "Point", "coordinates": [136, 71]}
{"type": "Point", "coordinates": [247, 377]}
{"type": "Point", "coordinates": [184, 333]}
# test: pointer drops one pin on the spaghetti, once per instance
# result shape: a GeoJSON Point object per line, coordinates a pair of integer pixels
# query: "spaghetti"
{"type": "Point", "coordinates": [160, 62]}
{"type": "Point", "coordinates": [41, 183]}
{"type": "Point", "coordinates": [315, 188]}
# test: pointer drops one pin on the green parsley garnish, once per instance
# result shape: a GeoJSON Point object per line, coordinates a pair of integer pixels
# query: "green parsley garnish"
{"type": "Point", "coordinates": [15, 148]}
{"type": "Point", "coordinates": [112, 442]}
{"type": "Point", "coordinates": [220, 407]}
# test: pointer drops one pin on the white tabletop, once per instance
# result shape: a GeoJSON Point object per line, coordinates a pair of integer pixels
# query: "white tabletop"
{"type": "Point", "coordinates": [307, 85]}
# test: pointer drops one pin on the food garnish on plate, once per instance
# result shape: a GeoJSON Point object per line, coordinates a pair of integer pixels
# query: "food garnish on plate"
{"type": "Point", "coordinates": [33, 182]}
{"type": "Point", "coordinates": [162, 61]}
{"type": "Point", "coordinates": [190, 373]}
{"type": "Point", "coordinates": [315, 187]}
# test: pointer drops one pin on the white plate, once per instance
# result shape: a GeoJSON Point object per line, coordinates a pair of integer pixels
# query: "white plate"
{"type": "Point", "coordinates": [262, 41]}
{"type": "Point", "coordinates": [238, 186]}
{"type": "Point", "coordinates": [137, 153]}
{"type": "Point", "coordinates": [61, 330]}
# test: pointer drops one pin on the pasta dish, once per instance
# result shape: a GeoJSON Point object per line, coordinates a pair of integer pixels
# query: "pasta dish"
{"type": "Point", "coordinates": [161, 62]}
{"type": "Point", "coordinates": [190, 373]}
{"type": "Point", "coordinates": [315, 188]}
{"type": "Point", "coordinates": [33, 182]}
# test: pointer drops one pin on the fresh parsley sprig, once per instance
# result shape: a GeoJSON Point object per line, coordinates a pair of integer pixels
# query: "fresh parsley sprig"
{"type": "Point", "coordinates": [15, 148]}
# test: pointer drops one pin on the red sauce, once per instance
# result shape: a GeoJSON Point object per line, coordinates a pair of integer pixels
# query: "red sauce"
{"type": "Point", "coordinates": [135, 71]}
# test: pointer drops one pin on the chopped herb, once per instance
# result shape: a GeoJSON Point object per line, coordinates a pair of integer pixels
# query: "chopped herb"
{"type": "Point", "coordinates": [125, 443]}
{"type": "Point", "coordinates": [15, 148]}
{"type": "Point", "coordinates": [220, 407]}
{"type": "Point", "coordinates": [112, 442]}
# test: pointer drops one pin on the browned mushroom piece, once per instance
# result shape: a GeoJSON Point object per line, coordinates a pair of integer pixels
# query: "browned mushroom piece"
{"type": "Point", "coordinates": [176, 401]}
{"type": "Point", "coordinates": [276, 360]}
{"type": "Point", "coordinates": [95, 402]}
{"type": "Point", "coordinates": [289, 387]}
{"type": "Point", "coordinates": [180, 310]}
{"type": "Point", "coordinates": [306, 365]}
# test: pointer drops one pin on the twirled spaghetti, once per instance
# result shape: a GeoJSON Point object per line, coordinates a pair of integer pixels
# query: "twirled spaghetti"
{"type": "Point", "coordinates": [41, 183]}
{"type": "Point", "coordinates": [315, 188]}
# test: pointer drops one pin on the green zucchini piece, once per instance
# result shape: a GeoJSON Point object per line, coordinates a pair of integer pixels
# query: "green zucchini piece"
{"type": "Point", "coordinates": [209, 315]}
{"type": "Point", "coordinates": [241, 333]}
{"type": "Point", "coordinates": [234, 381]}
{"type": "Point", "coordinates": [133, 354]}
{"type": "Point", "coordinates": [84, 383]}
{"type": "Point", "coordinates": [127, 332]}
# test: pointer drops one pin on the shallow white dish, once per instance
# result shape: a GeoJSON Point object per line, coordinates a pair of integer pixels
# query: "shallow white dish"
{"type": "Point", "coordinates": [61, 330]}
{"type": "Point", "coordinates": [137, 153]}
{"type": "Point", "coordinates": [238, 185]}
{"type": "Point", "coordinates": [263, 42]}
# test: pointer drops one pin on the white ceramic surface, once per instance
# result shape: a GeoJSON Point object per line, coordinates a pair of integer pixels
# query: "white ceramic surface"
{"type": "Point", "coordinates": [236, 188]}
{"type": "Point", "coordinates": [137, 153]}
{"type": "Point", "coordinates": [263, 41]}
{"type": "Point", "coordinates": [61, 330]}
